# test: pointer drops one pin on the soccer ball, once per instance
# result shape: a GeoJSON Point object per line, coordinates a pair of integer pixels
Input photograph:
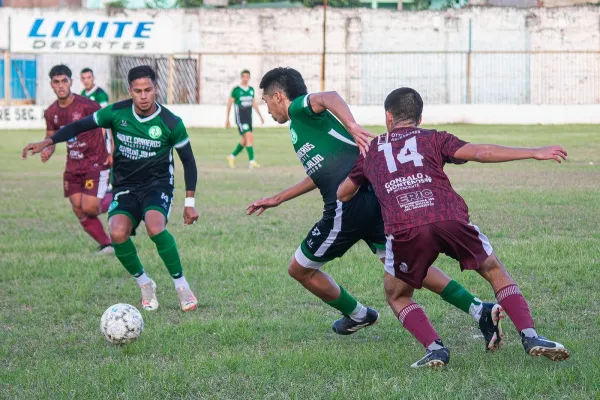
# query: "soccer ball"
{"type": "Point", "coordinates": [121, 323]}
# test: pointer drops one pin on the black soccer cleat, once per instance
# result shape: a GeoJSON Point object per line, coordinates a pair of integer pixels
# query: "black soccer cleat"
{"type": "Point", "coordinates": [348, 326]}
{"type": "Point", "coordinates": [434, 358]}
{"type": "Point", "coordinates": [489, 324]}
{"type": "Point", "coordinates": [540, 346]}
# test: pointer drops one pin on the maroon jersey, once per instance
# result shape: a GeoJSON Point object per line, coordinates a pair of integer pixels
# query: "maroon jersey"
{"type": "Point", "coordinates": [406, 170]}
{"type": "Point", "coordinates": [86, 151]}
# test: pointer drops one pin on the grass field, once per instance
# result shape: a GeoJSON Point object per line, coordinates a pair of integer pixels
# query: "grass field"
{"type": "Point", "coordinates": [257, 333]}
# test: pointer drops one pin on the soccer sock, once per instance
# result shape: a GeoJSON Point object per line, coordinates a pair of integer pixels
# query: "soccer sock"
{"type": "Point", "coordinates": [143, 279]}
{"type": "Point", "coordinates": [414, 319]}
{"type": "Point", "coordinates": [167, 250]}
{"type": "Point", "coordinates": [105, 203]}
{"type": "Point", "coordinates": [180, 282]}
{"type": "Point", "coordinates": [127, 255]}
{"type": "Point", "coordinates": [237, 150]}
{"type": "Point", "coordinates": [250, 151]}
{"type": "Point", "coordinates": [346, 304]}
{"type": "Point", "coordinates": [455, 294]}
{"type": "Point", "coordinates": [515, 305]}
{"type": "Point", "coordinates": [93, 227]}
{"type": "Point", "coordinates": [360, 312]}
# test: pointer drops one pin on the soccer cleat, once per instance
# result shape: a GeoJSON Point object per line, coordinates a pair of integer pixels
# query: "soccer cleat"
{"type": "Point", "coordinates": [187, 300]}
{"type": "Point", "coordinates": [253, 164]}
{"type": "Point", "coordinates": [434, 358]}
{"type": "Point", "coordinates": [540, 346]}
{"type": "Point", "coordinates": [149, 300]}
{"type": "Point", "coordinates": [106, 249]}
{"type": "Point", "coordinates": [489, 323]}
{"type": "Point", "coordinates": [348, 326]}
{"type": "Point", "coordinates": [231, 161]}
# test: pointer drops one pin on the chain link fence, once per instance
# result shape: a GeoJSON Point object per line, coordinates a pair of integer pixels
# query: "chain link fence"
{"type": "Point", "coordinates": [362, 78]}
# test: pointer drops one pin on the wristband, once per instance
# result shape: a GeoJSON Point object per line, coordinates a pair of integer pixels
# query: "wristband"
{"type": "Point", "coordinates": [189, 202]}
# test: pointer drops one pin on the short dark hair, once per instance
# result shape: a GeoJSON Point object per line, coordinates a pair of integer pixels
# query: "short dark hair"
{"type": "Point", "coordinates": [60, 69]}
{"type": "Point", "coordinates": [245, 71]}
{"type": "Point", "coordinates": [287, 80]}
{"type": "Point", "coordinates": [405, 104]}
{"type": "Point", "coordinates": [143, 71]}
{"type": "Point", "coordinates": [86, 70]}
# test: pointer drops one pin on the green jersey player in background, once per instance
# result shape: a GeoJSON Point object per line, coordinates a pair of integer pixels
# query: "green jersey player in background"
{"type": "Point", "coordinates": [328, 148]}
{"type": "Point", "coordinates": [145, 134]}
{"type": "Point", "coordinates": [97, 94]}
{"type": "Point", "coordinates": [242, 99]}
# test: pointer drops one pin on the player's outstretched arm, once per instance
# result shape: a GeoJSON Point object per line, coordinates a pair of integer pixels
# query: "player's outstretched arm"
{"type": "Point", "coordinates": [490, 153]}
{"type": "Point", "coordinates": [347, 190]}
{"type": "Point", "coordinates": [190, 176]}
{"type": "Point", "coordinates": [229, 104]}
{"type": "Point", "coordinates": [259, 206]}
{"type": "Point", "coordinates": [332, 101]}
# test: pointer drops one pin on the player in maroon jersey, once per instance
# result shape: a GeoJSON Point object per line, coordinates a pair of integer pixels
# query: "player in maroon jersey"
{"type": "Point", "coordinates": [87, 170]}
{"type": "Point", "coordinates": [424, 217]}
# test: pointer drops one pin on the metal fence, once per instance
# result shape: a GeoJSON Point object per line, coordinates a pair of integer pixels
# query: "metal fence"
{"type": "Point", "coordinates": [362, 78]}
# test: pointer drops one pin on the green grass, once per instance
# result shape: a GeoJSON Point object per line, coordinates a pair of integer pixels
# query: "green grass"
{"type": "Point", "coordinates": [258, 334]}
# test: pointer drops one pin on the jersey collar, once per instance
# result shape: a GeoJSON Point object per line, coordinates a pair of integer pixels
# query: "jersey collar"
{"type": "Point", "coordinates": [148, 118]}
{"type": "Point", "coordinates": [91, 91]}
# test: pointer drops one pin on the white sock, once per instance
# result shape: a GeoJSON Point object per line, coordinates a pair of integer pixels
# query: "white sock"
{"type": "Point", "coordinates": [475, 309]}
{"type": "Point", "coordinates": [143, 279]}
{"type": "Point", "coordinates": [359, 313]}
{"type": "Point", "coordinates": [180, 282]}
{"type": "Point", "coordinates": [529, 332]}
{"type": "Point", "coordinates": [434, 346]}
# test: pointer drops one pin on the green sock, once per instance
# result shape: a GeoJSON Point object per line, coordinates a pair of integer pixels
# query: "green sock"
{"type": "Point", "coordinates": [167, 250]}
{"type": "Point", "coordinates": [250, 151]}
{"type": "Point", "coordinates": [127, 255]}
{"type": "Point", "coordinates": [346, 304]}
{"type": "Point", "coordinates": [237, 150]}
{"type": "Point", "coordinates": [460, 297]}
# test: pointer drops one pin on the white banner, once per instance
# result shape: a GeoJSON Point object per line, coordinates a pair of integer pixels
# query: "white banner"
{"type": "Point", "coordinates": [66, 31]}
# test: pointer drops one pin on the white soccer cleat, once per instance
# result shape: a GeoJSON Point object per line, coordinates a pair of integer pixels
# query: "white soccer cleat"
{"type": "Point", "coordinates": [187, 300]}
{"type": "Point", "coordinates": [149, 300]}
{"type": "Point", "coordinates": [231, 161]}
{"type": "Point", "coordinates": [253, 164]}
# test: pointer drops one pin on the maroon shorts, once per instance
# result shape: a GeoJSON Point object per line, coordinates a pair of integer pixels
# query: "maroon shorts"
{"type": "Point", "coordinates": [92, 182]}
{"type": "Point", "coordinates": [409, 253]}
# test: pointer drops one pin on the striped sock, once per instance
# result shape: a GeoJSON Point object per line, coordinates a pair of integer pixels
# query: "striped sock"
{"type": "Point", "coordinates": [515, 305]}
{"type": "Point", "coordinates": [414, 319]}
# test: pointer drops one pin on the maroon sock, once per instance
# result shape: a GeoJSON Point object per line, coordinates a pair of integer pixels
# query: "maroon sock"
{"type": "Point", "coordinates": [515, 305]}
{"type": "Point", "coordinates": [93, 227]}
{"type": "Point", "coordinates": [416, 322]}
{"type": "Point", "coordinates": [105, 203]}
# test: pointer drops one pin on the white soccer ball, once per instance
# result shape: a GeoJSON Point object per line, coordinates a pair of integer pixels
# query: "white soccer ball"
{"type": "Point", "coordinates": [121, 323]}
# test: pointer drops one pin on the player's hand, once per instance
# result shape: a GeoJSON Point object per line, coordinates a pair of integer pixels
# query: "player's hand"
{"type": "Point", "coordinates": [190, 215]}
{"type": "Point", "coordinates": [361, 137]}
{"type": "Point", "coordinates": [550, 153]}
{"type": "Point", "coordinates": [34, 148]}
{"type": "Point", "coordinates": [47, 153]}
{"type": "Point", "coordinates": [109, 161]}
{"type": "Point", "coordinates": [259, 206]}
{"type": "Point", "coordinates": [227, 124]}
{"type": "Point", "coordinates": [262, 121]}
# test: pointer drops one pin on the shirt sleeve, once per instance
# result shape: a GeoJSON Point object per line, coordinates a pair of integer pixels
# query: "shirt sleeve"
{"type": "Point", "coordinates": [103, 99]}
{"type": "Point", "coordinates": [357, 175]}
{"type": "Point", "coordinates": [103, 117]}
{"type": "Point", "coordinates": [449, 144]}
{"type": "Point", "coordinates": [180, 137]}
{"type": "Point", "coordinates": [300, 109]}
{"type": "Point", "coordinates": [50, 126]}
{"type": "Point", "coordinates": [233, 93]}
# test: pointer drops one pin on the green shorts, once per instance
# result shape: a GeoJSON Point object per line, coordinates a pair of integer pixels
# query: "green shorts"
{"type": "Point", "coordinates": [135, 202]}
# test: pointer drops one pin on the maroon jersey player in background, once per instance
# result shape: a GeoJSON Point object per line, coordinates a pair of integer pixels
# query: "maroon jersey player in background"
{"type": "Point", "coordinates": [424, 217]}
{"type": "Point", "coordinates": [86, 175]}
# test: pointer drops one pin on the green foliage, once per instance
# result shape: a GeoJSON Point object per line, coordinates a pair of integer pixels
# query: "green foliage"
{"type": "Point", "coordinates": [332, 3]}
{"type": "Point", "coordinates": [117, 4]}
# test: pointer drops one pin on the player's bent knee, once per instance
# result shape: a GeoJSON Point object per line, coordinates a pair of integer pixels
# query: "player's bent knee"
{"type": "Point", "coordinates": [298, 272]}
{"type": "Point", "coordinates": [119, 234]}
{"type": "Point", "coordinates": [90, 210]}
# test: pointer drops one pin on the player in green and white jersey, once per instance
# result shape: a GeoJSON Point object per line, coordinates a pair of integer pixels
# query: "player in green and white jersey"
{"type": "Point", "coordinates": [242, 98]}
{"type": "Point", "coordinates": [145, 134]}
{"type": "Point", "coordinates": [328, 148]}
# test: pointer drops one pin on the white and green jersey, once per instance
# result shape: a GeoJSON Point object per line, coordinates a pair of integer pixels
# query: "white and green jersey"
{"type": "Point", "coordinates": [143, 145]}
{"type": "Point", "coordinates": [96, 94]}
{"type": "Point", "coordinates": [243, 96]}
{"type": "Point", "coordinates": [324, 147]}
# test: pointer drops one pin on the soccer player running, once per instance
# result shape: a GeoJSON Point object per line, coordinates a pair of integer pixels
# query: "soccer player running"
{"type": "Point", "coordinates": [86, 175]}
{"type": "Point", "coordinates": [328, 149]}
{"type": "Point", "coordinates": [145, 135]}
{"type": "Point", "coordinates": [97, 94]}
{"type": "Point", "coordinates": [242, 99]}
{"type": "Point", "coordinates": [426, 217]}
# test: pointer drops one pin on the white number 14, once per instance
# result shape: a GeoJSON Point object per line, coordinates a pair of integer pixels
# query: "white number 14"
{"type": "Point", "coordinates": [407, 154]}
